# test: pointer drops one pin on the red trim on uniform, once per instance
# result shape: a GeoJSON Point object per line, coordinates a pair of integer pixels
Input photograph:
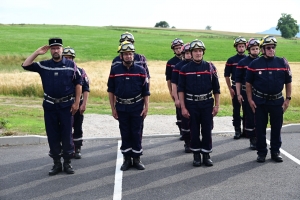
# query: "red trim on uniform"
{"type": "Point", "coordinates": [127, 74]}
{"type": "Point", "coordinates": [191, 73]}
{"type": "Point", "coordinates": [268, 69]}
{"type": "Point", "coordinates": [233, 64]}
{"type": "Point", "coordinates": [241, 67]}
{"type": "Point", "coordinates": [176, 70]}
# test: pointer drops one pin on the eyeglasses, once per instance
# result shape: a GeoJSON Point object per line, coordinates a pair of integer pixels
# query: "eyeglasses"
{"type": "Point", "coordinates": [67, 50]}
{"type": "Point", "coordinates": [128, 46]}
{"type": "Point", "coordinates": [198, 43]}
{"type": "Point", "coordinates": [270, 47]}
{"type": "Point", "coordinates": [240, 40]}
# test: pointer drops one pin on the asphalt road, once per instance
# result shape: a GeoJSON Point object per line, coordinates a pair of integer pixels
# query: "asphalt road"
{"type": "Point", "coordinates": [169, 172]}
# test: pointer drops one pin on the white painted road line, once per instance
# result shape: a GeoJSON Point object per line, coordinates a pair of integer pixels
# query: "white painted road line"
{"type": "Point", "coordinates": [118, 175]}
{"type": "Point", "coordinates": [287, 154]}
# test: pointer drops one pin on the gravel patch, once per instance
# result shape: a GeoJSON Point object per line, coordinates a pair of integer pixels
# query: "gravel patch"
{"type": "Point", "coordinates": [95, 125]}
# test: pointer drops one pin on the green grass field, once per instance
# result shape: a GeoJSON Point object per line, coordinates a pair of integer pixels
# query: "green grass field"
{"type": "Point", "coordinates": [100, 43]}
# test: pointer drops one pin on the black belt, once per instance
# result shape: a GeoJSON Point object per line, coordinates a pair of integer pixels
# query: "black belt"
{"type": "Point", "coordinates": [200, 97]}
{"type": "Point", "coordinates": [267, 96]}
{"type": "Point", "coordinates": [129, 101]}
{"type": "Point", "coordinates": [58, 100]}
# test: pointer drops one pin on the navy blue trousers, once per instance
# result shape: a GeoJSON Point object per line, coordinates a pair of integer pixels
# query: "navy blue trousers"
{"type": "Point", "coordinates": [179, 119]}
{"type": "Point", "coordinates": [201, 118]}
{"type": "Point", "coordinates": [236, 122]}
{"type": "Point", "coordinates": [130, 124]}
{"type": "Point", "coordinates": [261, 119]}
{"type": "Point", "coordinates": [77, 129]}
{"type": "Point", "coordinates": [58, 123]}
{"type": "Point", "coordinates": [248, 115]}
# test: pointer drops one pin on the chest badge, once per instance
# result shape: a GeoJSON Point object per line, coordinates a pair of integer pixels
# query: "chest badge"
{"type": "Point", "coordinates": [127, 78]}
{"type": "Point", "coordinates": [259, 72]}
{"type": "Point", "coordinates": [55, 73]}
{"type": "Point", "coordinates": [270, 72]}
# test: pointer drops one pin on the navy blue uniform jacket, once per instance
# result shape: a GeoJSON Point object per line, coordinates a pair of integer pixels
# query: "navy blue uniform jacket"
{"type": "Point", "coordinates": [59, 79]}
{"type": "Point", "coordinates": [268, 76]}
{"type": "Point", "coordinates": [128, 83]}
{"type": "Point", "coordinates": [197, 79]}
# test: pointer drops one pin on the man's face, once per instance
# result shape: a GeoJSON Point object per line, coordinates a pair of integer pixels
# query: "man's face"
{"type": "Point", "coordinates": [197, 54]}
{"type": "Point", "coordinates": [69, 57]}
{"type": "Point", "coordinates": [128, 57]}
{"type": "Point", "coordinates": [241, 48]}
{"type": "Point", "coordinates": [270, 50]}
{"type": "Point", "coordinates": [254, 51]}
{"type": "Point", "coordinates": [177, 49]}
{"type": "Point", "coordinates": [56, 52]}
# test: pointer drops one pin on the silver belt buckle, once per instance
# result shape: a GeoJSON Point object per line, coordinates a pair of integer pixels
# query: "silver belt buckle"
{"type": "Point", "coordinates": [126, 101]}
{"type": "Point", "coordinates": [201, 98]}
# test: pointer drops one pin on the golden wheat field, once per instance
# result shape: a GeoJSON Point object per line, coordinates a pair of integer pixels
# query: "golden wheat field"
{"type": "Point", "coordinates": [98, 74]}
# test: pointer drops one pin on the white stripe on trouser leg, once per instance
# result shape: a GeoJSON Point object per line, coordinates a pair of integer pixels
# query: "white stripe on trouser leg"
{"type": "Point", "coordinates": [140, 151]}
{"type": "Point", "coordinates": [77, 139]}
{"type": "Point", "coordinates": [118, 175]}
{"type": "Point", "coordinates": [126, 150]}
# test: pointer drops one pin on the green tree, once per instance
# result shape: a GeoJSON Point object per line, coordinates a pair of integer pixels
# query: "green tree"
{"type": "Point", "coordinates": [287, 26]}
{"type": "Point", "coordinates": [162, 24]}
{"type": "Point", "coordinates": [208, 28]}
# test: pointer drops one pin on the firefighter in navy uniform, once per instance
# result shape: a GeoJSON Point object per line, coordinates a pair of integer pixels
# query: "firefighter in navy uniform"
{"type": "Point", "coordinates": [176, 46]}
{"type": "Point", "coordinates": [229, 73]}
{"type": "Point", "coordinates": [252, 47]}
{"type": "Point", "coordinates": [61, 84]}
{"type": "Point", "coordinates": [128, 85]}
{"type": "Point", "coordinates": [138, 58]}
{"type": "Point", "coordinates": [198, 83]}
{"type": "Point", "coordinates": [185, 130]}
{"type": "Point", "coordinates": [69, 53]}
{"type": "Point", "coordinates": [265, 79]}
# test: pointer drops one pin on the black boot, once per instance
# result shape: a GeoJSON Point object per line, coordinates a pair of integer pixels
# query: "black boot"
{"type": "Point", "coordinates": [138, 164]}
{"type": "Point", "coordinates": [238, 132]}
{"type": "Point", "coordinates": [197, 159]}
{"type": "Point", "coordinates": [57, 167]}
{"type": "Point", "coordinates": [206, 160]}
{"type": "Point", "coordinates": [67, 167]}
{"type": "Point", "coordinates": [77, 154]}
{"type": "Point", "coordinates": [187, 147]}
{"type": "Point", "coordinates": [253, 143]}
{"type": "Point", "coordinates": [127, 163]}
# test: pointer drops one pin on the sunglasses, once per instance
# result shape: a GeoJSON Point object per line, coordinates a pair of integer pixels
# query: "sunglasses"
{"type": "Point", "coordinates": [67, 50]}
{"type": "Point", "coordinates": [197, 43]}
{"type": "Point", "coordinates": [270, 48]}
{"type": "Point", "coordinates": [239, 40]}
{"type": "Point", "coordinates": [126, 47]}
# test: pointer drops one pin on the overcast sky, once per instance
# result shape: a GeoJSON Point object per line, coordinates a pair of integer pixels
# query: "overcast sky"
{"type": "Point", "coordinates": [226, 15]}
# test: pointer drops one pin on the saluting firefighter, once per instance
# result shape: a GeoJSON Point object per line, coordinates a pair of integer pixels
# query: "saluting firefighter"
{"type": "Point", "coordinates": [229, 73]}
{"type": "Point", "coordinates": [61, 83]}
{"type": "Point", "coordinates": [69, 53]}
{"type": "Point", "coordinates": [265, 79]}
{"type": "Point", "coordinates": [185, 129]}
{"type": "Point", "coordinates": [198, 83]}
{"type": "Point", "coordinates": [252, 47]}
{"type": "Point", "coordinates": [128, 85]}
{"type": "Point", "coordinates": [176, 46]}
